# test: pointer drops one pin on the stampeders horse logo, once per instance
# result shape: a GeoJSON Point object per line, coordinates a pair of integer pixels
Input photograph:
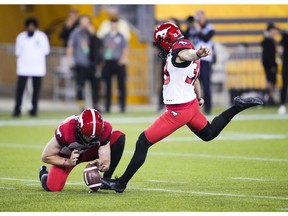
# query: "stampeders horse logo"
{"type": "Point", "coordinates": [174, 113]}
{"type": "Point", "coordinates": [162, 33]}
{"type": "Point", "coordinates": [183, 43]}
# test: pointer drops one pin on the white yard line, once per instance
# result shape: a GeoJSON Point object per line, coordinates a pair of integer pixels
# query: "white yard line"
{"type": "Point", "coordinates": [174, 191]}
{"type": "Point", "coordinates": [137, 120]}
{"type": "Point", "coordinates": [209, 193]}
{"type": "Point", "coordinates": [165, 181]}
{"type": "Point", "coordinates": [168, 154]}
{"type": "Point", "coordinates": [248, 179]}
{"type": "Point", "coordinates": [34, 184]}
{"type": "Point", "coordinates": [20, 146]}
{"type": "Point", "coordinates": [18, 179]}
{"type": "Point", "coordinates": [7, 188]}
{"type": "Point", "coordinates": [228, 136]}
{"type": "Point", "coordinates": [31, 180]}
{"type": "Point", "coordinates": [228, 157]}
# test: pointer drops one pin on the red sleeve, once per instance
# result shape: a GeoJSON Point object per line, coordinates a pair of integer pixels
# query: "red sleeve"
{"type": "Point", "coordinates": [180, 45]}
{"type": "Point", "coordinates": [65, 132]}
{"type": "Point", "coordinates": [59, 134]}
{"type": "Point", "coordinates": [106, 136]}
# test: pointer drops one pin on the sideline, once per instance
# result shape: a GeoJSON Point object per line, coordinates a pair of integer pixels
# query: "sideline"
{"type": "Point", "coordinates": [136, 120]}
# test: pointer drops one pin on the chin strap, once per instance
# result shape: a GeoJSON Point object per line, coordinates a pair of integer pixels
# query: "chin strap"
{"type": "Point", "coordinates": [163, 53]}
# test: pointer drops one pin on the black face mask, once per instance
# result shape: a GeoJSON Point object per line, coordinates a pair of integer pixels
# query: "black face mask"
{"type": "Point", "coordinates": [163, 53]}
{"type": "Point", "coordinates": [30, 33]}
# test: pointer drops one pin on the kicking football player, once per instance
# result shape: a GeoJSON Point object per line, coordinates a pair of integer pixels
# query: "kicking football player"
{"type": "Point", "coordinates": [81, 138]}
{"type": "Point", "coordinates": [181, 92]}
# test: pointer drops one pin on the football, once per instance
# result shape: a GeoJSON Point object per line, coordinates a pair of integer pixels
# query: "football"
{"type": "Point", "coordinates": [92, 177]}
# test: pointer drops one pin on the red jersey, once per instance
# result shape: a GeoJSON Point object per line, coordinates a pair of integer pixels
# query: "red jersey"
{"type": "Point", "coordinates": [66, 136]}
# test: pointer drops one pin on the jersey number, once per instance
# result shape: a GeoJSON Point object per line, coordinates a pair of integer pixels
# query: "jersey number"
{"type": "Point", "coordinates": [189, 79]}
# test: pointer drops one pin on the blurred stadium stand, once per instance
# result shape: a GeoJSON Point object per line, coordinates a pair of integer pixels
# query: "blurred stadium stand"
{"type": "Point", "coordinates": [239, 30]}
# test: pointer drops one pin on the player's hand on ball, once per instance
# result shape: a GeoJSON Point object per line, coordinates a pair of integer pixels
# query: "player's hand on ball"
{"type": "Point", "coordinates": [74, 157]}
{"type": "Point", "coordinates": [201, 102]}
{"type": "Point", "coordinates": [102, 165]}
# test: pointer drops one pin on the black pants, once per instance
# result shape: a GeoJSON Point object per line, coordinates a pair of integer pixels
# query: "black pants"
{"type": "Point", "coordinates": [270, 73]}
{"type": "Point", "coordinates": [284, 83]}
{"type": "Point", "coordinates": [21, 84]}
{"type": "Point", "coordinates": [83, 74]}
{"type": "Point", "coordinates": [109, 70]}
{"type": "Point", "coordinates": [205, 75]}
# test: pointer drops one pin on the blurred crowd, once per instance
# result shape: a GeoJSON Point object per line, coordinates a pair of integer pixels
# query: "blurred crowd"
{"type": "Point", "coordinates": [271, 58]}
{"type": "Point", "coordinates": [97, 55]}
{"type": "Point", "coordinates": [92, 56]}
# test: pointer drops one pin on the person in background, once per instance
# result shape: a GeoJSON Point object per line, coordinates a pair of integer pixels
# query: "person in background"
{"type": "Point", "coordinates": [190, 32]}
{"type": "Point", "coordinates": [284, 43]}
{"type": "Point", "coordinates": [71, 22]}
{"type": "Point", "coordinates": [32, 47]}
{"type": "Point", "coordinates": [200, 33]}
{"type": "Point", "coordinates": [105, 26]}
{"type": "Point", "coordinates": [269, 50]}
{"type": "Point", "coordinates": [96, 58]}
{"type": "Point", "coordinates": [79, 49]}
{"type": "Point", "coordinates": [115, 54]}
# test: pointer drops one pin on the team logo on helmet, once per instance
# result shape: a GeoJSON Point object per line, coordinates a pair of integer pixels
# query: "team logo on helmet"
{"type": "Point", "coordinates": [166, 34]}
{"type": "Point", "coordinates": [162, 33]}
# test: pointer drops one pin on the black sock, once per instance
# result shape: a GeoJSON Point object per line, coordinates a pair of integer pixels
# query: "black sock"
{"type": "Point", "coordinates": [218, 124]}
{"type": "Point", "coordinates": [137, 160]}
{"type": "Point", "coordinates": [116, 154]}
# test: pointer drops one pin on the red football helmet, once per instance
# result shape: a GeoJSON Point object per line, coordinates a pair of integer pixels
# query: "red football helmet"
{"type": "Point", "coordinates": [90, 125]}
{"type": "Point", "coordinates": [166, 34]}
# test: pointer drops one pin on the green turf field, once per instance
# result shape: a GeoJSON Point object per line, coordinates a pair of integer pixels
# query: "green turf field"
{"type": "Point", "coordinates": [245, 169]}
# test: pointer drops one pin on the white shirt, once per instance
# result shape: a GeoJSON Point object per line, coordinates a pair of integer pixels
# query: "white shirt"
{"type": "Point", "coordinates": [179, 78]}
{"type": "Point", "coordinates": [31, 53]}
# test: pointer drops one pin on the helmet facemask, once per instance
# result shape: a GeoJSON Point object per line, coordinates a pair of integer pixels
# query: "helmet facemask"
{"type": "Point", "coordinates": [163, 53]}
{"type": "Point", "coordinates": [85, 140]}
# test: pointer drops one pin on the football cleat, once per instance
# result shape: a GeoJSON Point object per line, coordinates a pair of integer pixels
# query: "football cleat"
{"type": "Point", "coordinates": [248, 102]}
{"type": "Point", "coordinates": [43, 170]}
{"type": "Point", "coordinates": [104, 186]}
{"type": "Point", "coordinates": [112, 184]}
